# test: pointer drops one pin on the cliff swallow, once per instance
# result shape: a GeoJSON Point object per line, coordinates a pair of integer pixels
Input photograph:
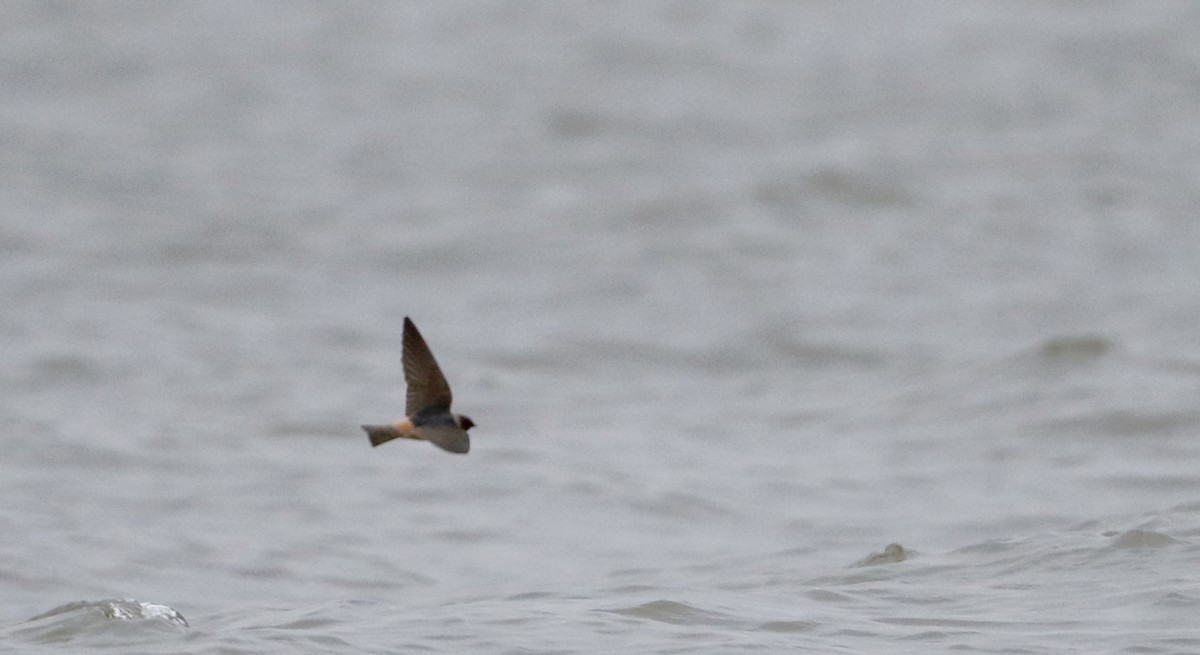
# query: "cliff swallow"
{"type": "Point", "coordinates": [428, 408]}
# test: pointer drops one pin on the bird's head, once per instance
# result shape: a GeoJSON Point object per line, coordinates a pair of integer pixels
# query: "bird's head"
{"type": "Point", "coordinates": [465, 422]}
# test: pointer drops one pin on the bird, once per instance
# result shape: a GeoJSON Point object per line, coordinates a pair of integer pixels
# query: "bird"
{"type": "Point", "coordinates": [427, 411]}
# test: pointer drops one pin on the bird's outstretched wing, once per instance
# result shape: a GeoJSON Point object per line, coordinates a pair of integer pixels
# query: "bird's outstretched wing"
{"type": "Point", "coordinates": [427, 387]}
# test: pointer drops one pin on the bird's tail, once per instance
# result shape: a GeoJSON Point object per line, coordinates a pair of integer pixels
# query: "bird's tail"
{"type": "Point", "coordinates": [381, 433]}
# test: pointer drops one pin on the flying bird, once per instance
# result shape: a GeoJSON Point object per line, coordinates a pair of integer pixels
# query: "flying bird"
{"type": "Point", "coordinates": [428, 416]}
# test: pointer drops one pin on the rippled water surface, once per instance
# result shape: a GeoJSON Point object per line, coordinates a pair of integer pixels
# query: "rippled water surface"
{"type": "Point", "coordinates": [838, 327]}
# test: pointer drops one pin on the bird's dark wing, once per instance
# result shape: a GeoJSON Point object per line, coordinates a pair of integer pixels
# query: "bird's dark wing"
{"type": "Point", "coordinates": [427, 386]}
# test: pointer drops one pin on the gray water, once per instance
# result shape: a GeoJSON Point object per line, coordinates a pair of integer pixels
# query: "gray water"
{"type": "Point", "coordinates": [738, 294]}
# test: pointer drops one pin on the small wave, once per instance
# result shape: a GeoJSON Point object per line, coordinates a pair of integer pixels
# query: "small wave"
{"type": "Point", "coordinates": [891, 553]}
{"type": "Point", "coordinates": [1142, 539]}
{"type": "Point", "coordinates": [82, 619]}
{"type": "Point", "coordinates": [1075, 349]}
{"type": "Point", "coordinates": [677, 613]}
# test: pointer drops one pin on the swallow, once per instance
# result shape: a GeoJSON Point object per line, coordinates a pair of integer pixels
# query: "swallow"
{"type": "Point", "coordinates": [428, 416]}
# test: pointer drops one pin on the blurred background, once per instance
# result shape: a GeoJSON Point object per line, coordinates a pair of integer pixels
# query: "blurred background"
{"type": "Point", "coordinates": [737, 293]}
